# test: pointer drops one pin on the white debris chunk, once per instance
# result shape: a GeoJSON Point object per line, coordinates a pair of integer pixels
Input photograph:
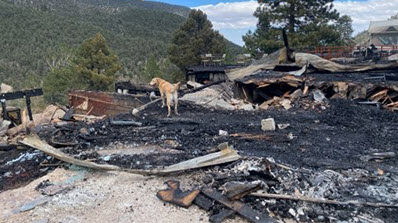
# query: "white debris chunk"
{"type": "Point", "coordinates": [268, 124]}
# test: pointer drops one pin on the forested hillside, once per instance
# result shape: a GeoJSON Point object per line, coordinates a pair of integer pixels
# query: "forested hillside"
{"type": "Point", "coordinates": [37, 35]}
{"type": "Point", "coordinates": [110, 6]}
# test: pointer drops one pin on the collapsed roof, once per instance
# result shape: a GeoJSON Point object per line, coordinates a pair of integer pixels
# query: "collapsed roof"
{"type": "Point", "coordinates": [386, 26]}
{"type": "Point", "coordinates": [314, 62]}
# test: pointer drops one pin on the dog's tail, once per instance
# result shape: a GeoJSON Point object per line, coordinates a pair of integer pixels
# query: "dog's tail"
{"type": "Point", "coordinates": [176, 87]}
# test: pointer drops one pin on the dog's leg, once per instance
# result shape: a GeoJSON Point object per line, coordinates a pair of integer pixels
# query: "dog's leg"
{"type": "Point", "coordinates": [169, 105]}
{"type": "Point", "coordinates": [162, 95]}
{"type": "Point", "coordinates": [176, 104]}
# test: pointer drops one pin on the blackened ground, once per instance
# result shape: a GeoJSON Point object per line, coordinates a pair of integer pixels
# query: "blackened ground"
{"type": "Point", "coordinates": [19, 167]}
{"type": "Point", "coordinates": [333, 138]}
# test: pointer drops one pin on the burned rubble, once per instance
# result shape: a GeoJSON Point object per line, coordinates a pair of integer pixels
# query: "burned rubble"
{"type": "Point", "coordinates": [325, 146]}
{"type": "Point", "coordinates": [277, 89]}
{"type": "Point", "coordinates": [319, 147]}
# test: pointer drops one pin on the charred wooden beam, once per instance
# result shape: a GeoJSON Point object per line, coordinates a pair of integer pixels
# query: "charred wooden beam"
{"type": "Point", "coordinates": [225, 156]}
{"type": "Point", "coordinates": [202, 87]}
{"type": "Point", "coordinates": [176, 196]}
{"type": "Point", "coordinates": [18, 95]}
{"type": "Point", "coordinates": [241, 208]}
{"type": "Point", "coordinates": [203, 202]}
{"type": "Point", "coordinates": [21, 94]}
{"type": "Point", "coordinates": [222, 215]}
{"type": "Point", "coordinates": [7, 147]}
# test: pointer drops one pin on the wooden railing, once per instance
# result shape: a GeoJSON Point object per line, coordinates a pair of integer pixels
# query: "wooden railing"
{"type": "Point", "coordinates": [387, 50]}
{"type": "Point", "coordinates": [329, 52]}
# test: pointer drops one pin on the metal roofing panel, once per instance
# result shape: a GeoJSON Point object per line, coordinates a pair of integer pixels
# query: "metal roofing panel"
{"type": "Point", "coordinates": [383, 26]}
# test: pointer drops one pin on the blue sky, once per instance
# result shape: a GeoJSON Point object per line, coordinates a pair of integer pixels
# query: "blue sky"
{"type": "Point", "coordinates": [233, 18]}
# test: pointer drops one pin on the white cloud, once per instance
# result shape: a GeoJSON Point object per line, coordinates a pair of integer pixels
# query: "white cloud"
{"type": "Point", "coordinates": [234, 15]}
{"type": "Point", "coordinates": [238, 15]}
{"type": "Point", "coordinates": [362, 12]}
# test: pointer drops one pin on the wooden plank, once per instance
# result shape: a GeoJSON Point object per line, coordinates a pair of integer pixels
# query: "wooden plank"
{"type": "Point", "coordinates": [394, 104]}
{"type": "Point", "coordinates": [263, 85]}
{"type": "Point", "coordinates": [380, 94]}
{"type": "Point", "coordinates": [88, 118]}
{"type": "Point", "coordinates": [212, 159]}
{"type": "Point", "coordinates": [241, 208]}
{"type": "Point", "coordinates": [36, 143]}
{"type": "Point", "coordinates": [225, 156]}
{"type": "Point", "coordinates": [137, 110]}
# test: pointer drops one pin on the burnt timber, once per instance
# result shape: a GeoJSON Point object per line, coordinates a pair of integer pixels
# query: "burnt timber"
{"type": "Point", "coordinates": [370, 86]}
{"type": "Point", "coordinates": [27, 94]}
{"type": "Point", "coordinates": [102, 103]}
{"type": "Point", "coordinates": [204, 74]}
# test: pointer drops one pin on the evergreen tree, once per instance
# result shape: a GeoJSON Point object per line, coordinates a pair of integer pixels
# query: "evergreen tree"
{"type": "Point", "coordinates": [310, 23]}
{"type": "Point", "coordinates": [152, 69]}
{"type": "Point", "coordinates": [195, 38]}
{"type": "Point", "coordinates": [394, 17]}
{"type": "Point", "coordinates": [57, 83]}
{"type": "Point", "coordinates": [96, 64]}
{"type": "Point", "coordinates": [344, 27]}
{"type": "Point", "coordinates": [171, 72]}
{"type": "Point", "coordinates": [93, 67]}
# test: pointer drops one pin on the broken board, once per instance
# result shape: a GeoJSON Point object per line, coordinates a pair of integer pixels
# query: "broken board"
{"type": "Point", "coordinates": [241, 208]}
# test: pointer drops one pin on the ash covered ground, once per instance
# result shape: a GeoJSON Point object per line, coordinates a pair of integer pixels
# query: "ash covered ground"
{"type": "Point", "coordinates": [328, 144]}
{"type": "Point", "coordinates": [334, 138]}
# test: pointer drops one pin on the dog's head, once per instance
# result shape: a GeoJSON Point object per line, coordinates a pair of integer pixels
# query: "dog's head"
{"type": "Point", "coordinates": [154, 82]}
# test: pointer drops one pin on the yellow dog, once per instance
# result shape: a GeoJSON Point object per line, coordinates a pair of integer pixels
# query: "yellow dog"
{"type": "Point", "coordinates": [170, 91]}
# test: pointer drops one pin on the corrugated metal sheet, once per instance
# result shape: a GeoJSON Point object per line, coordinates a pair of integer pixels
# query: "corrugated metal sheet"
{"type": "Point", "coordinates": [383, 26]}
{"type": "Point", "coordinates": [104, 103]}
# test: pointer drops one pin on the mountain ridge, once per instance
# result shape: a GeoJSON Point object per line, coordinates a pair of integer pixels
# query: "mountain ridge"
{"type": "Point", "coordinates": [112, 6]}
{"type": "Point", "coordinates": [35, 31]}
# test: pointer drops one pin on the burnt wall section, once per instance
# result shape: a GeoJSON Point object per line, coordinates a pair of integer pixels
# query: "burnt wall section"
{"type": "Point", "coordinates": [104, 103]}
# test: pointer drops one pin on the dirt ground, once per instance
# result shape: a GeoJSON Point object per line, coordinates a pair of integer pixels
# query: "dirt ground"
{"type": "Point", "coordinates": [101, 197]}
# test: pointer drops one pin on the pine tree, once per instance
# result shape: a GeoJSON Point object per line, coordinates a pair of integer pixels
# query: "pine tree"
{"type": "Point", "coordinates": [394, 17]}
{"type": "Point", "coordinates": [170, 71]}
{"type": "Point", "coordinates": [152, 69]}
{"type": "Point", "coordinates": [195, 38]}
{"type": "Point", "coordinates": [310, 23]}
{"type": "Point", "coordinates": [96, 64]}
{"type": "Point", "coordinates": [344, 27]}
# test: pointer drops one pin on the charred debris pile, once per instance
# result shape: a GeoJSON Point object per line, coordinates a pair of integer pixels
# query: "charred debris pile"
{"type": "Point", "coordinates": [310, 142]}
